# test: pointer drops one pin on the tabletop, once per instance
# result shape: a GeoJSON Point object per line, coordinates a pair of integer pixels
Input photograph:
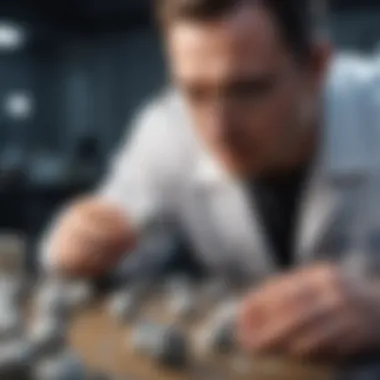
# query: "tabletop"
{"type": "Point", "coordinates": [104, 345]}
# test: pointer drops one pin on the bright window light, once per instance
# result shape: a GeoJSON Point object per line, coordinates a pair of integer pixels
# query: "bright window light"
{"type": "Point", "coordinates": [12, 36]}
{"type": "Point", "coordinates": [19, 105]}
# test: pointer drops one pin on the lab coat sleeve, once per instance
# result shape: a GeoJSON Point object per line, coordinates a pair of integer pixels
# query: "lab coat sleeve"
{"type": "Point", "coordinates": [358, 79]}
{"type": "Point", "coordinates": [142, 174]}
{"type": "Point", "coordinates": [139, 178]}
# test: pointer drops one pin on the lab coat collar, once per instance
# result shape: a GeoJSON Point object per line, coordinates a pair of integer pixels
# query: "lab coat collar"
{"type": "Point", "coordinates": [208, 171]}
{"type": "Point", "coordinates": [342, 167]}
{"type": "Point", "coordinates": [342, 158]}
{"type": "Point", "coordinates": [342, 164]}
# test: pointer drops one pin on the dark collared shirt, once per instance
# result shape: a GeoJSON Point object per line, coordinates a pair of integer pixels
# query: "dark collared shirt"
{"type": "Point", "coordinates": [278, 202]}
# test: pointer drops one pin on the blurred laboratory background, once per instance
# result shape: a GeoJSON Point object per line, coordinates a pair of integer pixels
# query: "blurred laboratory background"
{"type": "Point", "coordinates": [72, 75]}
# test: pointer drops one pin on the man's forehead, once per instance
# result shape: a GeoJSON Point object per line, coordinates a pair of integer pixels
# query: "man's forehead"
{"type": "Point", "coordinates": [245, 41]}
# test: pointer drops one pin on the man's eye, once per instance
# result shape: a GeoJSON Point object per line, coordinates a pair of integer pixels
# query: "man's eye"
{"type": "Point", "coordinates": [196, 95]}
{"type": "Point", "coordinates": [252, 89]}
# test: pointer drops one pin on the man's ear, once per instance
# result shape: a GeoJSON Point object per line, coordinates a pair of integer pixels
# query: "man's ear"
{"type": "Point", "coordinates": [318, 68]}
{"type": "Point", "coordinates": [321, 58]}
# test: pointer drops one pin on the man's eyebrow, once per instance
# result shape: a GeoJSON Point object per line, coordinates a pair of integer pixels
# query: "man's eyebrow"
{"type": "Point", "coordinates": [264, 81]}
{"type": "Point", "coordinates": [254, 78]}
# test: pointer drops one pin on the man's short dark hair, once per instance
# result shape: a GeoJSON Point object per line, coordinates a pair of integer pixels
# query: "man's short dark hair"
{"type": "Point", "coordinates": [297, 19]}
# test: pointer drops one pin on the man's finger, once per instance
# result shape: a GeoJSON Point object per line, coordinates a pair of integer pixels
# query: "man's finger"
{"type": "Point", "coordinates": [279, 332]}
{"type": "Point", "coordinates": [279, 306]}
{"type": "Point", "coordinates": [323, 339]}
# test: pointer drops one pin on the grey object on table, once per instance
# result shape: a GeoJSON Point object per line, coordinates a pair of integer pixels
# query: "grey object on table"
{"type": "Point", "coordinates": [126, 303]}
{"type": "Point", "coordinates": [78, 294]}
{"type": "Point", "coordinates": [124, 306]}
{"type": "Point", "coordinates": [11, 317]}
{"type": "Point", "coordinates": [11, 321]}
{"type": "Point", "coordinates": [48, 336]}
{"type": "Point", "coordinates": [217, 334]}
{"type": "Point", "coordinates": [183, 305]}
{"type": "Point", "coordinates": [13, 289]}
{"type": "Point", "coordinates": [167, 345]}
{"type": "Point", "coordinates": [12, 254]}
{"type": "Point", "coordinates": [52, 300]}
{"type": "Point", "coordinates": [224, 341]}
{"type": "Point", "coordinates": [16, 357]}
{"type": "Point", "coordinates": [182, 297]}
{"type": "Point", "coordinates": [215, 290]}
{"type": "Point", "coordinates": [179, 283]}
{"type": "Point", "coordinates": [64, 366]}
{"type": "Point", "coordinates": [171, 348]}
{"type": "Point", "coordinates": [367, 371]}
{"type": "Point", "coordinates": [143, 337]}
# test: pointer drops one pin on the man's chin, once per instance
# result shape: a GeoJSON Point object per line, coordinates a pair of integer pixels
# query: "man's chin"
{"type": "Point", "coordinates": [239, 168]}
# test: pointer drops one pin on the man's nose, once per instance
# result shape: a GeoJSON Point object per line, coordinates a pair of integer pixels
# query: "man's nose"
{"type": "Point", "coordinates": [221, 121]}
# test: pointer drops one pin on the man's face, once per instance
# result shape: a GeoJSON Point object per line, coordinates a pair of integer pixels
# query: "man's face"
{"type": "Point", "coordinates": [249, 97]}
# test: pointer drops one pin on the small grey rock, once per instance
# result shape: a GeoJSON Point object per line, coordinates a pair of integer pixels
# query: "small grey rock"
{"type": "Point", "coordinates": [65, 366]}
{"type": "Point", "coordinates": [182, 298]}
{"type": "Point", "coordinates": [51, 300]}
{"type": "Point", "coordinates": [177, 283]}
{"type": "Point", "coordinates": [48, 336]}
{"type": "Point", "coordinates": [11, 322]}
{"type": "Point", "coordinates": [79, 295]}
{"type": "Point", "coordinates": [215, 291]}
{"type": "Point", "coordinates": [124, 306]}
{"type": "Point", "coordinates": [183, 305]}
{"type": "Point", "coordinates": [224, 341]}
{"type": "Point", "coordinates": [12, 289]}
{"type": "Point", "coordinates": [15, 357]}
{"type": "Point", "coordinates": [217, 335]}
{"type": "Point", "coordinates": [144, 335]}
{"type": "Point", "coordinates": [171, 348]}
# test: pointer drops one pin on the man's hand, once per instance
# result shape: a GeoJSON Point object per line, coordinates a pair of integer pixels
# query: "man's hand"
{"type": "Point", "coordinates": [315, 313]}
{"type": "Point", "coordinates": [89, 239]}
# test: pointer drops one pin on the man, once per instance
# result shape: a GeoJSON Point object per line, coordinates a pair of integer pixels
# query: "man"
{"type": "Point", "coordinates": [273, 172]}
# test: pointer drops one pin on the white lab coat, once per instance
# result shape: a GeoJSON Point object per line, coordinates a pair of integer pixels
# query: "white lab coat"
{"type": "Point", "coordinates": [164, 174]}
